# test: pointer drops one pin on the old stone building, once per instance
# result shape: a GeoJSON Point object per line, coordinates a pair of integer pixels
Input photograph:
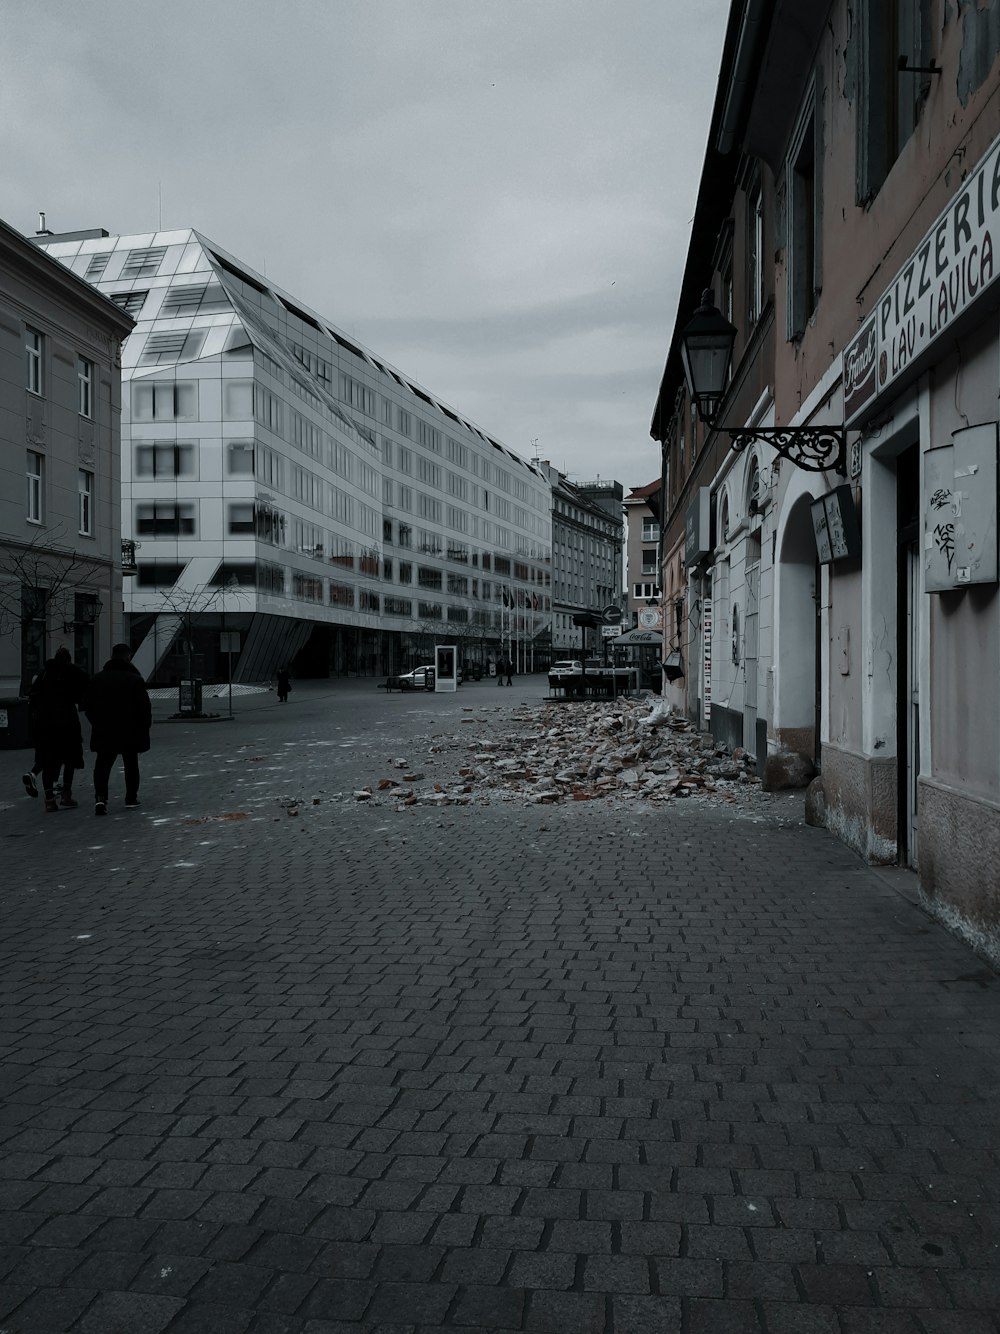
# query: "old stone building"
{"type": "Point", "coordinates": [831, 504]}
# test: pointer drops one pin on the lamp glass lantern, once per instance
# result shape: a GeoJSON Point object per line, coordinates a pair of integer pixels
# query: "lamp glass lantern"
{"type": "Point", "coordinates": [706, 352]}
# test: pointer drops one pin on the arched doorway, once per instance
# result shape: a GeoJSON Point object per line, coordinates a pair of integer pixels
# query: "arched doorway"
{"type": "Point", "coordinates": [797, 686]}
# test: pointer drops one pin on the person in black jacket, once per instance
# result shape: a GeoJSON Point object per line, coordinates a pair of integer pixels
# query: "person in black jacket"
{"type": "Point", "coordinates": [54, 702]}
{"type": "Point", "coordinates": [120, 714]}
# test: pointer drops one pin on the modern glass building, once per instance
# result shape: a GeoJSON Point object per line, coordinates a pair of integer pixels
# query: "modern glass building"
{"type": "Point", "coordinates": [282, 482]}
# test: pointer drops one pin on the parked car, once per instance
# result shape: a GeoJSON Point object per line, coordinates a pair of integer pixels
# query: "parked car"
{"type": "Point", "coordinates": [421, 678]}
{"type": "Point", "coordinates": [568, 667]}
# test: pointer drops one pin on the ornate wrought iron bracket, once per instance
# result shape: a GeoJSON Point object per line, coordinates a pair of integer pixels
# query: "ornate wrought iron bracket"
{"type": "Point", "coordinates": [812, 448]}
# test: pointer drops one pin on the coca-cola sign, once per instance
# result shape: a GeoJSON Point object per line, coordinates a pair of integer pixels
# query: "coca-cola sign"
{"type": "Point", "coordinates": [860, 364]}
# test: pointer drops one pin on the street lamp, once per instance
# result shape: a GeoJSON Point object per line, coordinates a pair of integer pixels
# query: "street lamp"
{"type": "Point", "coordinates": [707, 342]}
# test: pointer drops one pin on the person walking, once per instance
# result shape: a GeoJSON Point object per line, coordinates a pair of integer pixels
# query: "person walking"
{"type": "Point", "coordinates": [284, 685]}
{"type": "Point", "coordinates": [501, 664]}
{"type": "Point", "coordinates": [54, 703]}
{"type": "Point", "coordinates": [509, 667]}
{"type": "Point", "coordinates": [120, 715]}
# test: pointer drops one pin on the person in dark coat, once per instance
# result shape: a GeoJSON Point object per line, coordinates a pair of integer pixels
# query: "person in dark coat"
{"type": "Point", "coordinates": [284, 685]}
{"type": "Point", "coordinates": [54, 702]}
{"type": "Point", "coordinates": [509, 669]}
{"type": "Point", "coordinates": [121, 715]}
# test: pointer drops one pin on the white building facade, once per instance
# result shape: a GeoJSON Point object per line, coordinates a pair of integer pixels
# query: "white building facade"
{"type": "Point", "coordinates": [283, 483]}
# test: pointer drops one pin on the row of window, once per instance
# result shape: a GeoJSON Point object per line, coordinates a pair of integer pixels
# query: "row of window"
{"type": "Point", "coordinates": [204, 298]}
{"type": "Point", "coordinates": [36, 495]}
{"type": "Point", "coordinates": [279, 581]}
{"type": "Point", "coordinates": [34, 349]}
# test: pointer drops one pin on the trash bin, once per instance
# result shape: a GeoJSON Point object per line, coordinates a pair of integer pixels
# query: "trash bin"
{"type": "Point", "coordinates": [190, 696]}
{"type": "Point", "coordinates": [14, 724]}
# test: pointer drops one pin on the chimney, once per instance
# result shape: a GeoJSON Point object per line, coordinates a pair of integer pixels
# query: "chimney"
{"type": "Point", "coordinates": [42, 229]}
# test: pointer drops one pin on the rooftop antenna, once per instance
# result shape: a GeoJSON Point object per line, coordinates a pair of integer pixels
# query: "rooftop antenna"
{"type": "Point", "coordinates": [42, 229]}
{"type": "Point", "coordinates": [536, 458]}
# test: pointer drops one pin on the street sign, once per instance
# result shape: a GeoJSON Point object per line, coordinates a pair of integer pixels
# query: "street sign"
{"type": "Point", "coordinates": [650, 618]}
{"type": "Point", "coordinates": [612, 614]}
{"type": "Point", "coordinates": [229, 641]}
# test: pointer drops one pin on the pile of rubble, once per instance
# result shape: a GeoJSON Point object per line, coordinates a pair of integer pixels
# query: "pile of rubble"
{"type": "Point", "coordinates": [625, 749]}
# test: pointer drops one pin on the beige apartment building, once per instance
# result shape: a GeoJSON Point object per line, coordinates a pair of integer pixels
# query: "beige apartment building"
{"type": "Point", "coordinates": [60, 455]}
{"type": "Point", "coordinates": [831, 508]}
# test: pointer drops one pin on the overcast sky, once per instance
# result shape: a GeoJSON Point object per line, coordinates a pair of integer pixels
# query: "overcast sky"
{"type": "Point", "coordinates": [493, 195]}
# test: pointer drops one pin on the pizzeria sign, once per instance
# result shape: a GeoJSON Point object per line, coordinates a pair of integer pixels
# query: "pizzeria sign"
{"type": "Point", "coordinates": [950, 269]}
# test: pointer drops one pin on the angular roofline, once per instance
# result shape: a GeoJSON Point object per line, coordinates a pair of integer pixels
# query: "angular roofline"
{"type": "Point", "coordinates": [48, 270]}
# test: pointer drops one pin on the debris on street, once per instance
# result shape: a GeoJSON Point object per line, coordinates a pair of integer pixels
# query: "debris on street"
{"type": "Point", "coordinates": [626, 750]}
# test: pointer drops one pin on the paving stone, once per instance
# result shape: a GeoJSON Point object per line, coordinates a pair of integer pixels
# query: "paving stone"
{"type": "Point", "coordinates": [128, 1312]}
{"type": "Point", "coordinates": [566, 1313]}
{"type": "Point", "coordinates": [453, 1068]}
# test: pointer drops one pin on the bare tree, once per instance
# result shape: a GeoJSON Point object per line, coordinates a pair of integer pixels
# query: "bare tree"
{"type": "Point", "coordinates": [39, 583]}
{"type": "Point", "coordinates": [183, 606]}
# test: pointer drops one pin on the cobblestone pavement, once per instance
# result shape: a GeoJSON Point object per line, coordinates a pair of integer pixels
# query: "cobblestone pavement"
{"type": "Point", "coordinates": [558, 1069]}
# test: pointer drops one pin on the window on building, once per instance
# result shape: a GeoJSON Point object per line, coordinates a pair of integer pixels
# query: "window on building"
{"type": "Point", "coordinates": [429, 436]}
{"type": "Point", "coordinates": [233, 572]}
{"type": "Point", "coordinates": [166, 347]}
{"type": "Point", "coordinates": [164, 400]}
{"type": "Point", "coordinates": [802, 175]}
{"type": "Point", "coordinates": [650, 530]}
{"type": "Point", "coordinates": [649, 562]}
{"type": "Point", "coordinates": [165, 519]}
{"type": "Point", "coordinates": [341, 595]}
{"type": "Point", "coordinates": [95, 269]}
{"type": "Point", "coordinates": [271, 577]}
{"type": "Point", "coordinates": [237, 397]}
{"type": "Point", "coordinates": [143, 263]}
{"type": "Point", "coordinates": [755, 253]}
{"type": "Point", "coordinates": [36, 487]}
{"type": "Point", "coordinates": [159, 573]}
{"type": "Point", "coordinates": [890, 98]}
{"type": "Point", "coordinates": [644, 590]}
{"type": "Point", "coordinates": [405, 572]}
{"type": "Point", "coordinates": [85, 496]}
{"type": "Point", "coordinates": [239, 458]}
{"type": "Point", "coordinates": [241, 519]}
{"type": "Point", "coordinates": [130, 302]}
{"type": "Point", "coordinates": [358, 395]}
{"type": "Point", "coordinates": [165, 459]}
{"type": "Point", "coordinates": [194, 299]}
{"type": "Point", "coordinates": [85, 382]}
{"type": "Point", "coordinates": [34, 345]}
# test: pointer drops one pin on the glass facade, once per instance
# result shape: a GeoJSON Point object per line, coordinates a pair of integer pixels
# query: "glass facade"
{"type": "Point", "coordinates": [255, 435]}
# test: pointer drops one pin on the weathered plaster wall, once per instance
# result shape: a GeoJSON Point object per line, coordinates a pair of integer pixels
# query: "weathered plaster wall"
{"type": "Point", "coordinates": [864, 246]}
{"type": "Point", "coordinates": [965, 624]}
{"type": "Point", "coordinates": [959, 861]}
{"type": "Point", "coordinates": [861, 802]}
